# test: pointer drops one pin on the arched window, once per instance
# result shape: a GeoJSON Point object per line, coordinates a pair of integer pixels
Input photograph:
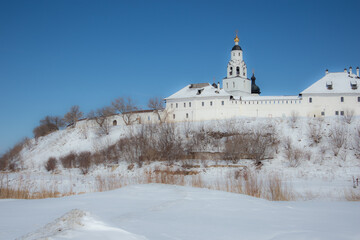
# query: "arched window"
{"type": "Point", "coordinates": [114, 123]}
{"type": "Point", "coordinates": [237, 71]}
{"type": "Point", "coordinates": [239, 54]}
{"type": "Point", "coordinates": [231, 69]}
{"type": "Point", "coordinates": [310, 100]}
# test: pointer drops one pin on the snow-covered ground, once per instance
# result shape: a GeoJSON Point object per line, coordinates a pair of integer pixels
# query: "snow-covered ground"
{"type": "Point", "coordinates": [165, 212]}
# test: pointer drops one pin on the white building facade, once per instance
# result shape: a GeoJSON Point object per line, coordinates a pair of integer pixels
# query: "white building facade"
{"type": "Point", "coordinates": [334, 94]}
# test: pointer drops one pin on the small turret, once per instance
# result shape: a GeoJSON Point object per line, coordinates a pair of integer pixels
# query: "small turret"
{"type": "Point", "coordinates": [350, 70]}
{"type": "Point", "coordinates": [254, 88]}
{"type": "Point", "coordinates": [326, 72]}
{"type": "Point", "coordinates": [357, 71]}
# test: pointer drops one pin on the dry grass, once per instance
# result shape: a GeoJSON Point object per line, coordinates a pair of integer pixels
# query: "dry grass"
{"type": "Point", "coordinates": [277, 190]}
{"type": "Point", "coordinates": [24, 190]}
{"type": "Point", "coordinates": [240, 181]}
{"type": "Point", "coordinates": [109, 182]}
{"type": "Point", "coordinates": [352, 195]}
{"type": "Point", "coordinates": [226, 166]}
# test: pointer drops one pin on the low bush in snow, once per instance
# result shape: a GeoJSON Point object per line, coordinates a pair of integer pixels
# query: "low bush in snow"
{"type": "Point", "coordinates": [69, 160]}
{"type": "Point", "coordinates": [51, 164]}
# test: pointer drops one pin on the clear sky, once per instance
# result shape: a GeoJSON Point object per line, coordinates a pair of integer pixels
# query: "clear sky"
{"type": "Point", "coordinates": [55, 54]}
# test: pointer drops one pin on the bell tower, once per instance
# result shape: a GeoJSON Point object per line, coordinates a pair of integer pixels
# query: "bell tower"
{"type": "Point", "coordinates": [236, 81]}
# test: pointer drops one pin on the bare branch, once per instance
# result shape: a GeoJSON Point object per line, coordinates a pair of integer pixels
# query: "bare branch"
{"type": "Point", "coordinates": [126, 107]}
{"type": "Point", "coordinates": [73, 115]}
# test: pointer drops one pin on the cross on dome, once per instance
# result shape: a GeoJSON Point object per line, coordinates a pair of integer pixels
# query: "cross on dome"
{"type": "Point", "coordinates": [236, 39]}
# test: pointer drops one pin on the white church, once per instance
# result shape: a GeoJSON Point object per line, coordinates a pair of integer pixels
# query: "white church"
{"type": "Point", "coordinates": [335, 94]}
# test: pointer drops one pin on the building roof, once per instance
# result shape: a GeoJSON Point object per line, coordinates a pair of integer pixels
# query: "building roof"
{"type": "Point", "coordinates": [236, 47]}
{"type": "Point", "coordinates": [267, 98]}
{"type": "Point", "coordinates": [199, 91]}
{"type": "Point", "coordinates": [339, 82]}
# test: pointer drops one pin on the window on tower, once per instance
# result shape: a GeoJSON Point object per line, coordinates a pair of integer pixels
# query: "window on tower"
{"type": "Point", "coordinates": [231, 69]}
{"type": "Point", "coordinates": [237, 71]}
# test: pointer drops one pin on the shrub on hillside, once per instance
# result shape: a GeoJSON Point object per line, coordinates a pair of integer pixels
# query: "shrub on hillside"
{"type": "Point", "coordinates": [51, 164]}
{"type": "Point", "coordinates": [337, 137]}
{"type": "Point", "coordinates": [11, 159]}
{"type": "Point", "coordinates": [48, 125]}
{"type": "Point", "coordinates": [315, 130]}
{"type": "Point", "coordinates": [169, 144]}
{"type": "Point", "coordinates": [356, 142]}
{"type": "Point", "coordinates": [293, 154]}
{"type": "Point", "coordinates": [293, 119]}
{"type": "Point", "coordinates": [69, 161]}
{"type": "Point", "coordinates": [348, 116]}
{"type": "Point", "coordinates": [84, 161]}
{"type": "Point", "coordinates": [255, 144]}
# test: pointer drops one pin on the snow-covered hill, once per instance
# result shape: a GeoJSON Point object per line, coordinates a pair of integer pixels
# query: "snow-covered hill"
{"type": "Point", "coordinates": [303, 157]}
{"type": "Point", "coordinates": [165, 212]}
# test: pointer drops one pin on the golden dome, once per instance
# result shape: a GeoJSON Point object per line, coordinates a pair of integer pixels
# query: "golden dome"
{"type": "Point", "coordinates": [236, 39]}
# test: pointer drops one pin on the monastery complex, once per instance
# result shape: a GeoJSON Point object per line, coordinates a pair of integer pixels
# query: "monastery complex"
{"type": "Point", "coordinates": [334, 94]}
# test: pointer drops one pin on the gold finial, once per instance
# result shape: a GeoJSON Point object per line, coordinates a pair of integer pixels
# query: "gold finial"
{"type": "Point", "coordinates": [236, 38]}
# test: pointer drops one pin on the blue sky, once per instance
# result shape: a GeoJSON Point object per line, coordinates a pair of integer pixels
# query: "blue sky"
{"type": "Point", "coordinates": [55, 54]}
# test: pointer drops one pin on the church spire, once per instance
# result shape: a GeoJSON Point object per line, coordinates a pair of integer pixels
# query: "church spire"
{"type": "Point", "coordinates": [236, 39]}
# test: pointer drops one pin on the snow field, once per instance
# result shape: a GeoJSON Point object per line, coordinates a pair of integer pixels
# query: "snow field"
{"type": "Point", "coordinates": [163, 212]}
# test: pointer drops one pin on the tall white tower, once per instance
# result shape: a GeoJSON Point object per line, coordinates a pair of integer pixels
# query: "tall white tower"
{"type": "Point", "coordinates": [236, 81]}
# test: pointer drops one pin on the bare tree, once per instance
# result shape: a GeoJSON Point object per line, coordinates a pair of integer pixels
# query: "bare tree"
{"type": "Point", "coordinates": [73, 115]}
{"type": "Point", "coordinates": [48, 125]}
{"type": "Point", "coordinates": [127, 109]}
{"type": "Point", "coordinates": [294, 117]}
{"type": "Point", "coordinates": [101, 118]}
{"type": "Point", "coordinates": [348, 116]}
{"type": "Point", "coordinates": [356, 142]}
{"type": "Point", "coordinates": [157, 105]}
{"type": "Point", "coordinates": [337, 137]}
{"type": "Point", "coordinates": [53, 120]}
